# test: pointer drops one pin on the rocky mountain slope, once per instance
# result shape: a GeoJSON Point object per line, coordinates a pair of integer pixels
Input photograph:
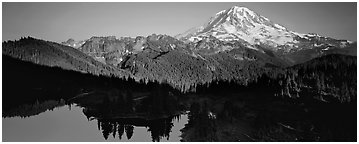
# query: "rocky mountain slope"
{"type": "Point", "coordinates": [72, 43]}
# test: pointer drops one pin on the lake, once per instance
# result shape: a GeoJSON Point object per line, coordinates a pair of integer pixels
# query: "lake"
{"type": "Point", "coordinates": [68, 123]}
{"type": "Point", "coordinates": [111, 114]}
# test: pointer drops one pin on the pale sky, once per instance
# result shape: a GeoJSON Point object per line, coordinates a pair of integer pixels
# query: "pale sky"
{"type": "Point", "coordinates": [61, 21]}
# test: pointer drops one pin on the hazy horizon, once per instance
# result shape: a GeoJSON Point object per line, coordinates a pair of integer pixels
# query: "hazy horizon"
{"type": "Point", "coordinates": [61, 21]}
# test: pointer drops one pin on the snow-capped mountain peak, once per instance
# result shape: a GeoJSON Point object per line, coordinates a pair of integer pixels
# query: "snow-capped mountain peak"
{"type": "Point", "coordinates": [241, 23]}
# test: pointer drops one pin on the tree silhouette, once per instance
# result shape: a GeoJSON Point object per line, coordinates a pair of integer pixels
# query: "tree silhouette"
{"type": "Point", "coordinates": [106, 129]}
{"type": "Point", "coordinates": [121, 130]}
{"type": "Point", "coordinates": [129, 131]}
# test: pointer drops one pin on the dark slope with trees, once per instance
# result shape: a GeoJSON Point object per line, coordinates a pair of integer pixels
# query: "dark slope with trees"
{"type": "Point", "coordinates": [322, 101]}
{"type": "Point", "coordinates": [329, 78]}
{"type": "Point", "coordinates": [36, 88]}
{"type": "Point", "coordinates": [56, 55]}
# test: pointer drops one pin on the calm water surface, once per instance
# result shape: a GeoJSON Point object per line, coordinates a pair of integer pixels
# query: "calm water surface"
{"type": "Point", "coordinates": [67, 123]}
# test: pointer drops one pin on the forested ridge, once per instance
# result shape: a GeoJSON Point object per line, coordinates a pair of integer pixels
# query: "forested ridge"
{"type": "Point", "coordinates": [324, 78]}
{"type": "Point", "coordinates": [53, 54]}
{"type": "Point", "coordinates": [163, 59]}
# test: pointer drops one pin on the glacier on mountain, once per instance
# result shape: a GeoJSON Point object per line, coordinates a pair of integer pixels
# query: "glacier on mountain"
{"type": "Point", "coordinates": [241, 23]}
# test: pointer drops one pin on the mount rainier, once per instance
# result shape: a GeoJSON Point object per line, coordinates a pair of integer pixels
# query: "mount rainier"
{"type": "Point", "coordinates": [241, 23]}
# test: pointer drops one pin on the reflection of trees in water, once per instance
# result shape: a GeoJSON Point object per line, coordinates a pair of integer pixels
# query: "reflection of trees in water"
{"type": "Point", "coordinates": [159, 128]}
{"type": "Point", "coordinates": [113, 127]}
{"type": "Point", "coordinates": [121, 130]}
{"type": "Point", "coordinates": [32, 109]}
{"type": "Point", "coordinates": [129, 131]}
{"type": "Point", "coordinates": [118, 111]}
{"type": "Point", "coordinates": [106, 129]}
{"type": "Point", "coordinates": [127, 103]}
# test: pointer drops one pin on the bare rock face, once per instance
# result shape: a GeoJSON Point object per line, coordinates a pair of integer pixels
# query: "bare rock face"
{"type": "Point", "coordinates": [72, 43]}
{"type": "Point", "coordinates": [108, 50]}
